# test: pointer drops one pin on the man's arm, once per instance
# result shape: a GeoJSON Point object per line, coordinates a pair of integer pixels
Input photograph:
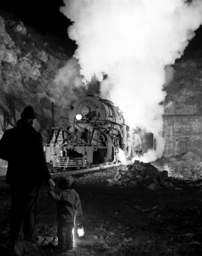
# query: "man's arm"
{"type": "Point", "coordinates": [54, 196]}
{"type": "Point", "coordinates": [79, 212]}
{"type": "Point", "coordinates": [78, 205]}
{"type": "Point", "coordinates": [43, 166]}
{"type": "Point", "coordinates": [51, 184]}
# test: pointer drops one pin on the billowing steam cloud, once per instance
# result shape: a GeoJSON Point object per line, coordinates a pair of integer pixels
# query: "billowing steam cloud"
{"type": "Point", "coordinates": [132, 42]}
{"type": "Point", "coordinates": [67, 80]}
{"type": "Point", "coordinates": [67, 86]}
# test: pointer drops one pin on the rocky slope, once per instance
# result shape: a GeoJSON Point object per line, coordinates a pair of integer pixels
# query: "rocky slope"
{"type": "Point", "coordinates": [36, 70]}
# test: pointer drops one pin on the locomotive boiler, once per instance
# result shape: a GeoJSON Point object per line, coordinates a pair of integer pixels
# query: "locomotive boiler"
{"type": "Point", "coordinates": [95, 133]}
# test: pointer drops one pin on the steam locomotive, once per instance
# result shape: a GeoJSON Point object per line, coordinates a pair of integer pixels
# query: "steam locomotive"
{"type": "Point", "coordinates": [94, 134]}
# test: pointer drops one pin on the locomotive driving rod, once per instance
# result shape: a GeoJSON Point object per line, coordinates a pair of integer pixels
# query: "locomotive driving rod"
{"type": "Point", "coordinates": [93, 169]}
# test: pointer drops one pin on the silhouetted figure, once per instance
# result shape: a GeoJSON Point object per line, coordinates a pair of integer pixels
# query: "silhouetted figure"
{"type": "Point", "coordinates": [22, 147]}
{"type": "Point", "coordinates": [68, 207]}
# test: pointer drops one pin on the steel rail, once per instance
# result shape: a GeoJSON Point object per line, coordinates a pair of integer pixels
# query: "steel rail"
{"type": "Point", "coordinates": [72, 172]}
{"type": "Point", "coordinates": [83, 171]}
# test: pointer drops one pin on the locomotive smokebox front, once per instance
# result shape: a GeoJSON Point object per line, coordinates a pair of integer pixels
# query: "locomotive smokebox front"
{"type": "Point", "coordinates": [95, 134]}
{"type": "Point", "coordinates": [94, 108]}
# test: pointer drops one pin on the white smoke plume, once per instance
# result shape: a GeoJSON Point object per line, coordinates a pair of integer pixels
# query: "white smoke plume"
{"type": "Point", "coordinates": [132, 41]}
{"type": "Point", "coordinates": [67, 80]}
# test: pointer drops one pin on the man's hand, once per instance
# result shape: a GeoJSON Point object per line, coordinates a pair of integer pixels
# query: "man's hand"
{"type": "Point", "coordinates": [51, 184]}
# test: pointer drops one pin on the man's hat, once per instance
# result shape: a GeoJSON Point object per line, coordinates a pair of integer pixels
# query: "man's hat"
{"type": "Point", "coordinates": [28, 113]}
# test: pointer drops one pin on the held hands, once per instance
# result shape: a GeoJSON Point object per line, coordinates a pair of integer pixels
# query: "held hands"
{"type": "Point", "coordinates": [51, 184]}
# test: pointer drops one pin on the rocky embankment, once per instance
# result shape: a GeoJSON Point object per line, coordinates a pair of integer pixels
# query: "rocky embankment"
{"type": "Point", "coordinates": [142, 174]}
{"type": "Point", "coordinates": [36, 70]}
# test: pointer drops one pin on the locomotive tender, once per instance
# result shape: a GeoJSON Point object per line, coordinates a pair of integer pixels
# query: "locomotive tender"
{"type": "Point", "coordinates": [95, 133]}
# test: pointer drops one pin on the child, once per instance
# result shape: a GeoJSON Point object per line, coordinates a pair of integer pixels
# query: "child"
{"type": "Point", "coordinates": [68, 205]}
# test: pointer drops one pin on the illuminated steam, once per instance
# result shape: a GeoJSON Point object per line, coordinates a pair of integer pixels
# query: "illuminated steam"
{"type": "Point", "coordinates": [132, 42]}
{"type": "Point", "coordinates": [68, 80]}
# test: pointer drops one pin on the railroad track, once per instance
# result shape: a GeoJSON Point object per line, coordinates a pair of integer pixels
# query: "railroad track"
{"type": "Point", "coordinates": [83, 171]}
{"type": "Point", "coordinates": [58, 173]}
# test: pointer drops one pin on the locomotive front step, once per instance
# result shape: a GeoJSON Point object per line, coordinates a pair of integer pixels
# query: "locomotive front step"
{"type": "Point", "coordinates": [76, 162]}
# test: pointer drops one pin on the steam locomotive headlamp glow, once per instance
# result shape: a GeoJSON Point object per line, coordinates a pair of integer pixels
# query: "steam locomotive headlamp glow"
{"type": "Point", "coordinates": [78, 117]}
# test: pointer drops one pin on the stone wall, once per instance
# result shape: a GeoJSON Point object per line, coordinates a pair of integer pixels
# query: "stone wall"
{"type": "Point", "coordinates": [182, 134]}
{"type": "Point", "coordinates": [183, 108]}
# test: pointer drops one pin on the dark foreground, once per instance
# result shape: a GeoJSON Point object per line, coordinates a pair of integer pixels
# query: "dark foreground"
{"type": "Point", "coordinates": [125, 221]}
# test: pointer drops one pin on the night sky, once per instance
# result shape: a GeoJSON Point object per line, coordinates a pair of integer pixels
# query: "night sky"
{"type": "Point", "coordinates": [44, 16]}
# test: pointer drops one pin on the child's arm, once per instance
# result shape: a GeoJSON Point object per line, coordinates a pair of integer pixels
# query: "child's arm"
{"type": "Point", "coordinates": [79, 212]}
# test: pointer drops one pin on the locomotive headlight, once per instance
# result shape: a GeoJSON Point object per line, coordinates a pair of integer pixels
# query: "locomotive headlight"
{"type": "Point", "coordinates": [78, 117]}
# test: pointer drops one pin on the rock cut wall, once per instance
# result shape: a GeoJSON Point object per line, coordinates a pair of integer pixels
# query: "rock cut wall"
{"type": "Point", "coordinates": [183, 108]}
{"type": "Point", "coordinates": [28, 67]}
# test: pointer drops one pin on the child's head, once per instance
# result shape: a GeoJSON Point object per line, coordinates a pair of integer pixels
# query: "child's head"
{"type": "Point", "coordinates": [65, 182]}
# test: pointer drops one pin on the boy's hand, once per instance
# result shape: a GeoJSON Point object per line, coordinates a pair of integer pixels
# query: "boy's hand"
{"type": "Point", "coordinates": [79, 220]}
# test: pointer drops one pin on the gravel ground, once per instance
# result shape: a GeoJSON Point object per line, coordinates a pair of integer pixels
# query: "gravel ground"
{"type": "Point", "coordinates": [125, 220]}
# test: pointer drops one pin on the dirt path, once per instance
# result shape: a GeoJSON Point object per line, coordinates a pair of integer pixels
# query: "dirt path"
{"type": "Point", "coordinates": [126, 221]}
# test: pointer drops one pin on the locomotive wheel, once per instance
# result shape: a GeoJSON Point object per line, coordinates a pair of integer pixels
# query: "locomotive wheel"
{"type": "Point", "coordinates": [99, 156]}
{"type": "Point", "coordinates": [103, 155]}
{"type": "Point", "coordinates": [110, 149]}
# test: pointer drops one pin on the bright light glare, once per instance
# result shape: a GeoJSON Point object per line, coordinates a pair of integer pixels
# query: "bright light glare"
{"type": "Point", "coordinates": [74, 238]}
{"type": "Point", "coordinates": [80, 231]}
{"type": "Point", "coordinates": [78, 117]}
